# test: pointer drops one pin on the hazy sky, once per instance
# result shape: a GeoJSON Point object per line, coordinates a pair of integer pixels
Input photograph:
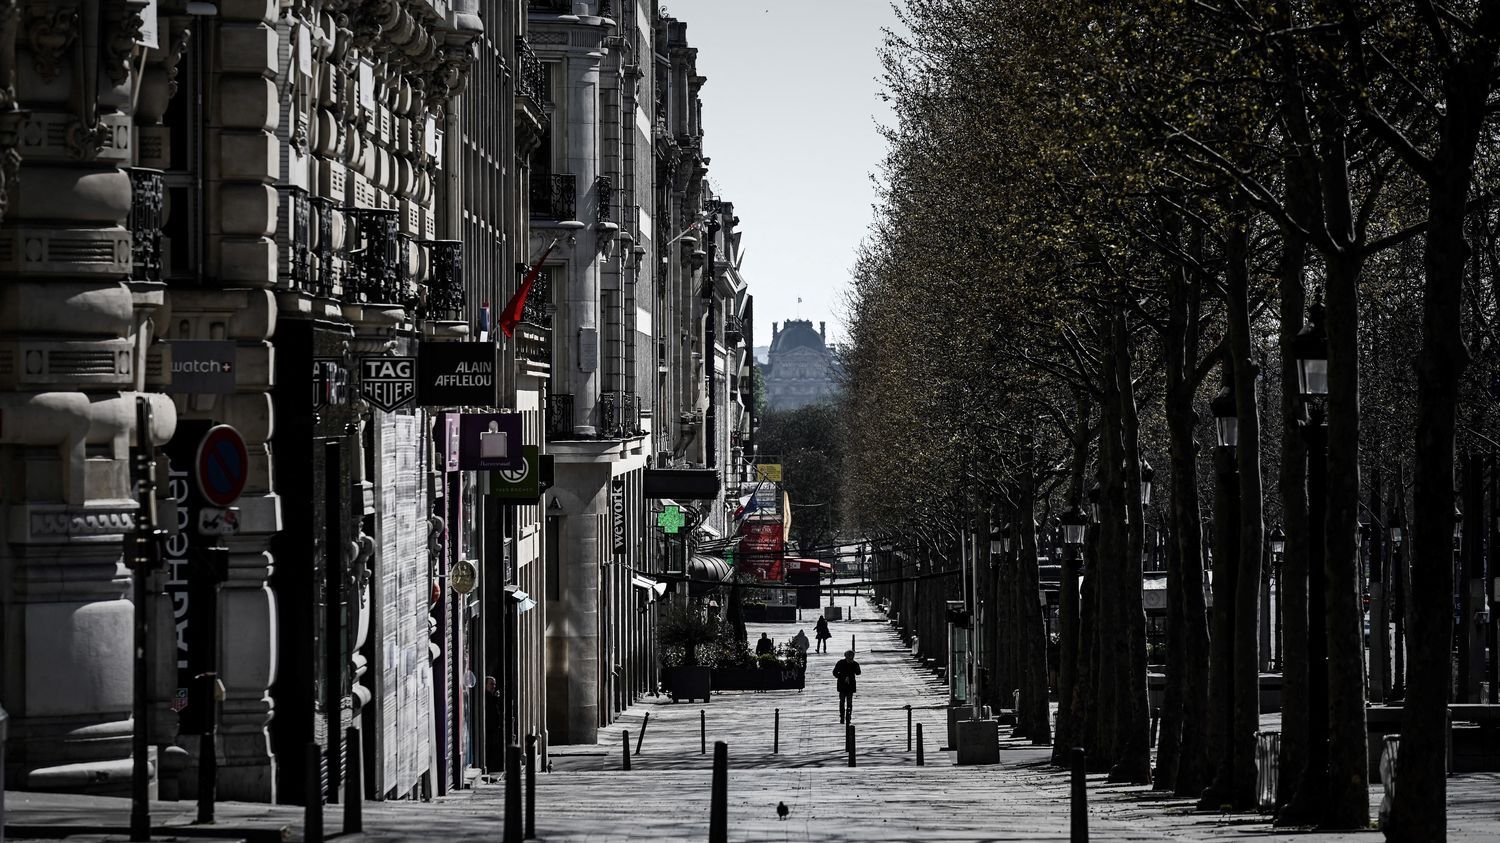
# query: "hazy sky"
{"type": "Point", "coordinates": [790, 113]}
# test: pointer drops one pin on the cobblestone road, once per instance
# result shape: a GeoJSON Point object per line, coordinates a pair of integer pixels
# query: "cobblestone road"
{"type": "Point", "coordinates": [588, 798]}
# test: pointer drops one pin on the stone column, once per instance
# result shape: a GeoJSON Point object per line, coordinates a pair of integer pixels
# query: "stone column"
{"type": "Point", "coordinates": [580, 330]}
{"type": "Point", "coordinates": [235, 303]}
{"type": "Point", "coordinates": [70, 358]}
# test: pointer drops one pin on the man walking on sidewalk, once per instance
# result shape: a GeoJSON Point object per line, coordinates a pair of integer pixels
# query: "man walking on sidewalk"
{"type": "Point", "coordinates": [845, 671]}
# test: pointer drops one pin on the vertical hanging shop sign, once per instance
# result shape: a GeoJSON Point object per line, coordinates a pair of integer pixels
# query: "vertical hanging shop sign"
{"type": "Point", "coordinates": [617, 511]}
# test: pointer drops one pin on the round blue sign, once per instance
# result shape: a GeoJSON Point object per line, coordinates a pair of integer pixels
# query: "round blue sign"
{"type": "Point", "coordinates": [222, 466]}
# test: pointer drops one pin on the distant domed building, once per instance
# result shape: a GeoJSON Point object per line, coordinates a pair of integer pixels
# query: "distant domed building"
{"type": "Point", "coordinates": [802, 368]}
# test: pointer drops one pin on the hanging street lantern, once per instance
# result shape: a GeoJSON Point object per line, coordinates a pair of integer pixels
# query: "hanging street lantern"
{"type": "Point", "coordinates": [1278, 542]}
{"type": "Point", "coordinates": [1074, 525]}
{"type": "Point", "coordinates": [1226, 417]}
{"type": "Point", "coordinates": [1310, 347]}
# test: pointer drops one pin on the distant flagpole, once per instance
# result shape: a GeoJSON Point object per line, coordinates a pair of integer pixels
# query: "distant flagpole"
{"type": "Point", "coordinates": [510, 317]}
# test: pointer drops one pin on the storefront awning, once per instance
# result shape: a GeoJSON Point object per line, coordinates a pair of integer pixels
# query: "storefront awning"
{"type": "Point", "coordinates": [706, 573]}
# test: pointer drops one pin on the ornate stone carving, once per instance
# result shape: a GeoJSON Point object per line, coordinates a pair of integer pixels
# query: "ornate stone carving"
{"type": "Point", "coordinates": [49, 524]}
{"type": "Point", "coordinates": [50, 30]}
{"type": "Point", "coordinates": [10, 15]}
{"type": "Point", "coordinates": [122, 29]}
{"type": "Point", "coordinates": [174, 55]}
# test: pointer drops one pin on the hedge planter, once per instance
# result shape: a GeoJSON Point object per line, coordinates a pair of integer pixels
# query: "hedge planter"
{"type": "Point", "coordinates": [687, 683]}
{"type": "Point", "coordinates": [770, 614]}
{"type": "Point", "coordinates": [758, 679]}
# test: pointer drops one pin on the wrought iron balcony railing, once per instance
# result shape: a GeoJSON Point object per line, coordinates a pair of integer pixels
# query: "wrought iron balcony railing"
{"type": "Point", "coordinates": [147, 199]}
{"type": "Point", "coordinates": [328, 275]}
{"type": "Point", "coordinates": [376, 276]}
{"type": "Point", "coordinates": [606, 190]}
{"type": "Point", "coordinates": [554, 197]}
{"type": "Point", "coordinates": [531, 74]}
{"type": "Point", "coordinates": [559, 6]}
{"type": "Point", "coordinates": [538, 307]}
{"type": "Point", "coordinates": [609, 416]}
{"type": "Point", "coordinates": [299, 237]}
{"type": "Point", "coordinates": [559, 416]}
{"type": "Point", "coordinates": [734, 330]}
{"type": "Point", "coordinates": [445, 285]}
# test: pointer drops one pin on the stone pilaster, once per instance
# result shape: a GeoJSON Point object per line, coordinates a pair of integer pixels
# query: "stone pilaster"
{"type": "Point", "coordinates": [71, 356]}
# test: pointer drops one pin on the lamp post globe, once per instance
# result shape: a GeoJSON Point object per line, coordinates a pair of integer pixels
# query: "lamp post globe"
{"type": "Point", "coordinates": [1226, 417]}
{"type": "Point", "coordinates": [1310, 348]}
{"type": "Point", "coordinates": [1074, 524]}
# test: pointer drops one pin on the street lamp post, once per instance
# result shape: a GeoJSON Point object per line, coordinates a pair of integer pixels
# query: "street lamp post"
{"type": "Point", "coordinates": [1310, 348]}
{"type": "Point", "coordinates": [1226, 521]}
{"type": "Point", "coordinates": [1074, 524]}
{"type": "Point", "coordinates": [1271, 620]}
{"type": "Point", "coordinates": [1397, 536]}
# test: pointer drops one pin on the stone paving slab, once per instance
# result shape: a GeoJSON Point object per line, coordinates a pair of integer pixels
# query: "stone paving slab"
{"type": "Point", "coordinates": [588, 798]}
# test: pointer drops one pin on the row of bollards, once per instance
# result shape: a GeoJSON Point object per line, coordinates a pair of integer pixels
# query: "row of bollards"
{"type": "Point", "coordinates": [313, 796]}
{"type": "Point", "coordinates": [1080, 812]}
{"type": "Point", "coordinates": [849, 742]}
{"type": "Point", "coordinates": [718, 811]}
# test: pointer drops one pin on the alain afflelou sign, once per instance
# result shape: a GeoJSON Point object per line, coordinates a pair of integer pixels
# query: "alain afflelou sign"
{"type": "Point", "coordinates": [456, 374]}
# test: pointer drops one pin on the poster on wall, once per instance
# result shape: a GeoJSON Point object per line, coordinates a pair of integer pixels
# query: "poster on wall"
{"type": "Point", "coordinates": [762, 546]}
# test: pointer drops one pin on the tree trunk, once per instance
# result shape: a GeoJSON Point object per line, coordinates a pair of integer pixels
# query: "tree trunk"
{"type": "Point", "coordinates": [1347, 803]}
{"type": "Point", "coordinates": [1134, 764]}
{"type": "Point", "coordinates": [1034, 692]}
{"type": "Point", "coordinates": [1068, 602]}
{"type": "Point", "coordinates": [1220, 720]}
{"type": "Point", "coordinates": [1192, 768]}
{"type": "Point", "coordinates": [1420, 809]}
{"type": "Point", "coordinates": [1246, 646]}
{"type": "Point", "coordinates": [1169, 730]}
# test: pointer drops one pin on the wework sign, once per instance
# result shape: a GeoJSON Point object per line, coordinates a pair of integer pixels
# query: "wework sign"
{"type": "Point", "coordinates": [617, 513]}
{"type": "Point", "coordinates": [456, 374]}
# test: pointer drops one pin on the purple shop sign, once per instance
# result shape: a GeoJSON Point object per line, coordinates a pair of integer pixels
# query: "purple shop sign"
{"type": "Point", "coordinates": [489, 442]}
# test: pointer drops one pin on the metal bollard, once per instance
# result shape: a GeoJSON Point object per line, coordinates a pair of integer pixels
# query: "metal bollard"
{"type": "Point", "coordinates": [530, 787]}
{"type": "Point", "coordinates": [702, 732]}
{"type": "Point", "coordinates": [1080, 826]}
{"type": "Point", "coordinates": [851, 643]}
{"type": "Point", "coordinates": [641, 738]}
{"type": "Point", "coordinates": [849, 742]}
{"type": "Point", "coordinates": [920, 760]}
{"type": "Point", "coordinates": [776, 734]}
{"type": "Point", "coordinates": [908, 727]}
{"type": "Point", "coordinates": [625, 747]}
{"type": "Point", "coordinates": [312, 818]}
{"type": "Point", "coordinates": [3, 718]}
{"type": "Point", "coordinates": [354, 784]}
{"type": "Point", "coordinates": [718, 812]}
{"type": "Point", "coordinates": [513, 794]}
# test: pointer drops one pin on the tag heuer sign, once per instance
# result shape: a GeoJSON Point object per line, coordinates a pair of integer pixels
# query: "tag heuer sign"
{"type": "Point", "coordinates": [388, 382]}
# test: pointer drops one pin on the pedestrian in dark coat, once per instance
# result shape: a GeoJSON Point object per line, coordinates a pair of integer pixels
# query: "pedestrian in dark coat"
{"type": "Point", "coordinates": [845, 671]}
{"type": "Point", "coordinates": [821, 630]}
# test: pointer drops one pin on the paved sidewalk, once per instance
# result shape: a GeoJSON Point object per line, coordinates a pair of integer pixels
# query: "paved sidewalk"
{"type": "Point", "coordinates": [588, 798]}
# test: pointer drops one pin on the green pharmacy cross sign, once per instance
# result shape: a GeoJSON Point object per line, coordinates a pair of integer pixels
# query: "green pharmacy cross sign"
{"type": "Point", "coordinates": [671, 519]}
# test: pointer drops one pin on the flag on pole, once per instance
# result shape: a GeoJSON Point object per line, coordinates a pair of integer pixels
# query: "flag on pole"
{"type": "Point", "coordinates": [510, 317]}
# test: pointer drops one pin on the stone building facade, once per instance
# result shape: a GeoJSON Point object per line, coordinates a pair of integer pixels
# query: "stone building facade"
{"type": "Point", "coordinates": [801, 368]}
{"type": "Point", "coordinates": [240, 213]}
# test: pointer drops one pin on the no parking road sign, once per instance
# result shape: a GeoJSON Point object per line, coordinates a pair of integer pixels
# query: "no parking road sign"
{"type": "Point", "coordinates": [222, 465]}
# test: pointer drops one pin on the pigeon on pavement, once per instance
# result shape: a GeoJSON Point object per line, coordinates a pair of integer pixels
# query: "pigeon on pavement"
{"type": "Point", "coordinates": [782, 810]}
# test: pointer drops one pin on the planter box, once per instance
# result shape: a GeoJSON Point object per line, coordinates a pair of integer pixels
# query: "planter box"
{"type": "Point", "coordinates": [687, 683]}
{"type": "Point", "coordinates": [771, 614]}
{"type": "Point", "coordinates": [758, 679]}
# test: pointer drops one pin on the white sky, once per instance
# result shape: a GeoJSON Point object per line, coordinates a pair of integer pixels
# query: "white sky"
{"type": "Point", "coordinates": [789, 118]}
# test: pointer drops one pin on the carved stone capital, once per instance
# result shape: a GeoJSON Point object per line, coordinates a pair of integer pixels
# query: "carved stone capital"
{"type": "Point", "coordinates": [51, 29]}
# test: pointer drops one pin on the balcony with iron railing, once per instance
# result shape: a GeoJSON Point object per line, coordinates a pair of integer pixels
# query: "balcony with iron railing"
{"type": "Point", "coordinates": [531, 74]}
{"type": "Point", "coordinates": [554, 197]}
{"type": "Point", "coordinates": [559, 416]}
{"type": "Point", "coordinates": [604, 186]}
{"type": "Point", "coordinates": [561, 7]}
{"type": "Point", "coordinates": [147, 201]}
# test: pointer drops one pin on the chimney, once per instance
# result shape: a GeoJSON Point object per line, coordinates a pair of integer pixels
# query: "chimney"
{"type": "Point", "coordinates": [775, 331]}
{"type": "Point", "coordinates": [823, 332]}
